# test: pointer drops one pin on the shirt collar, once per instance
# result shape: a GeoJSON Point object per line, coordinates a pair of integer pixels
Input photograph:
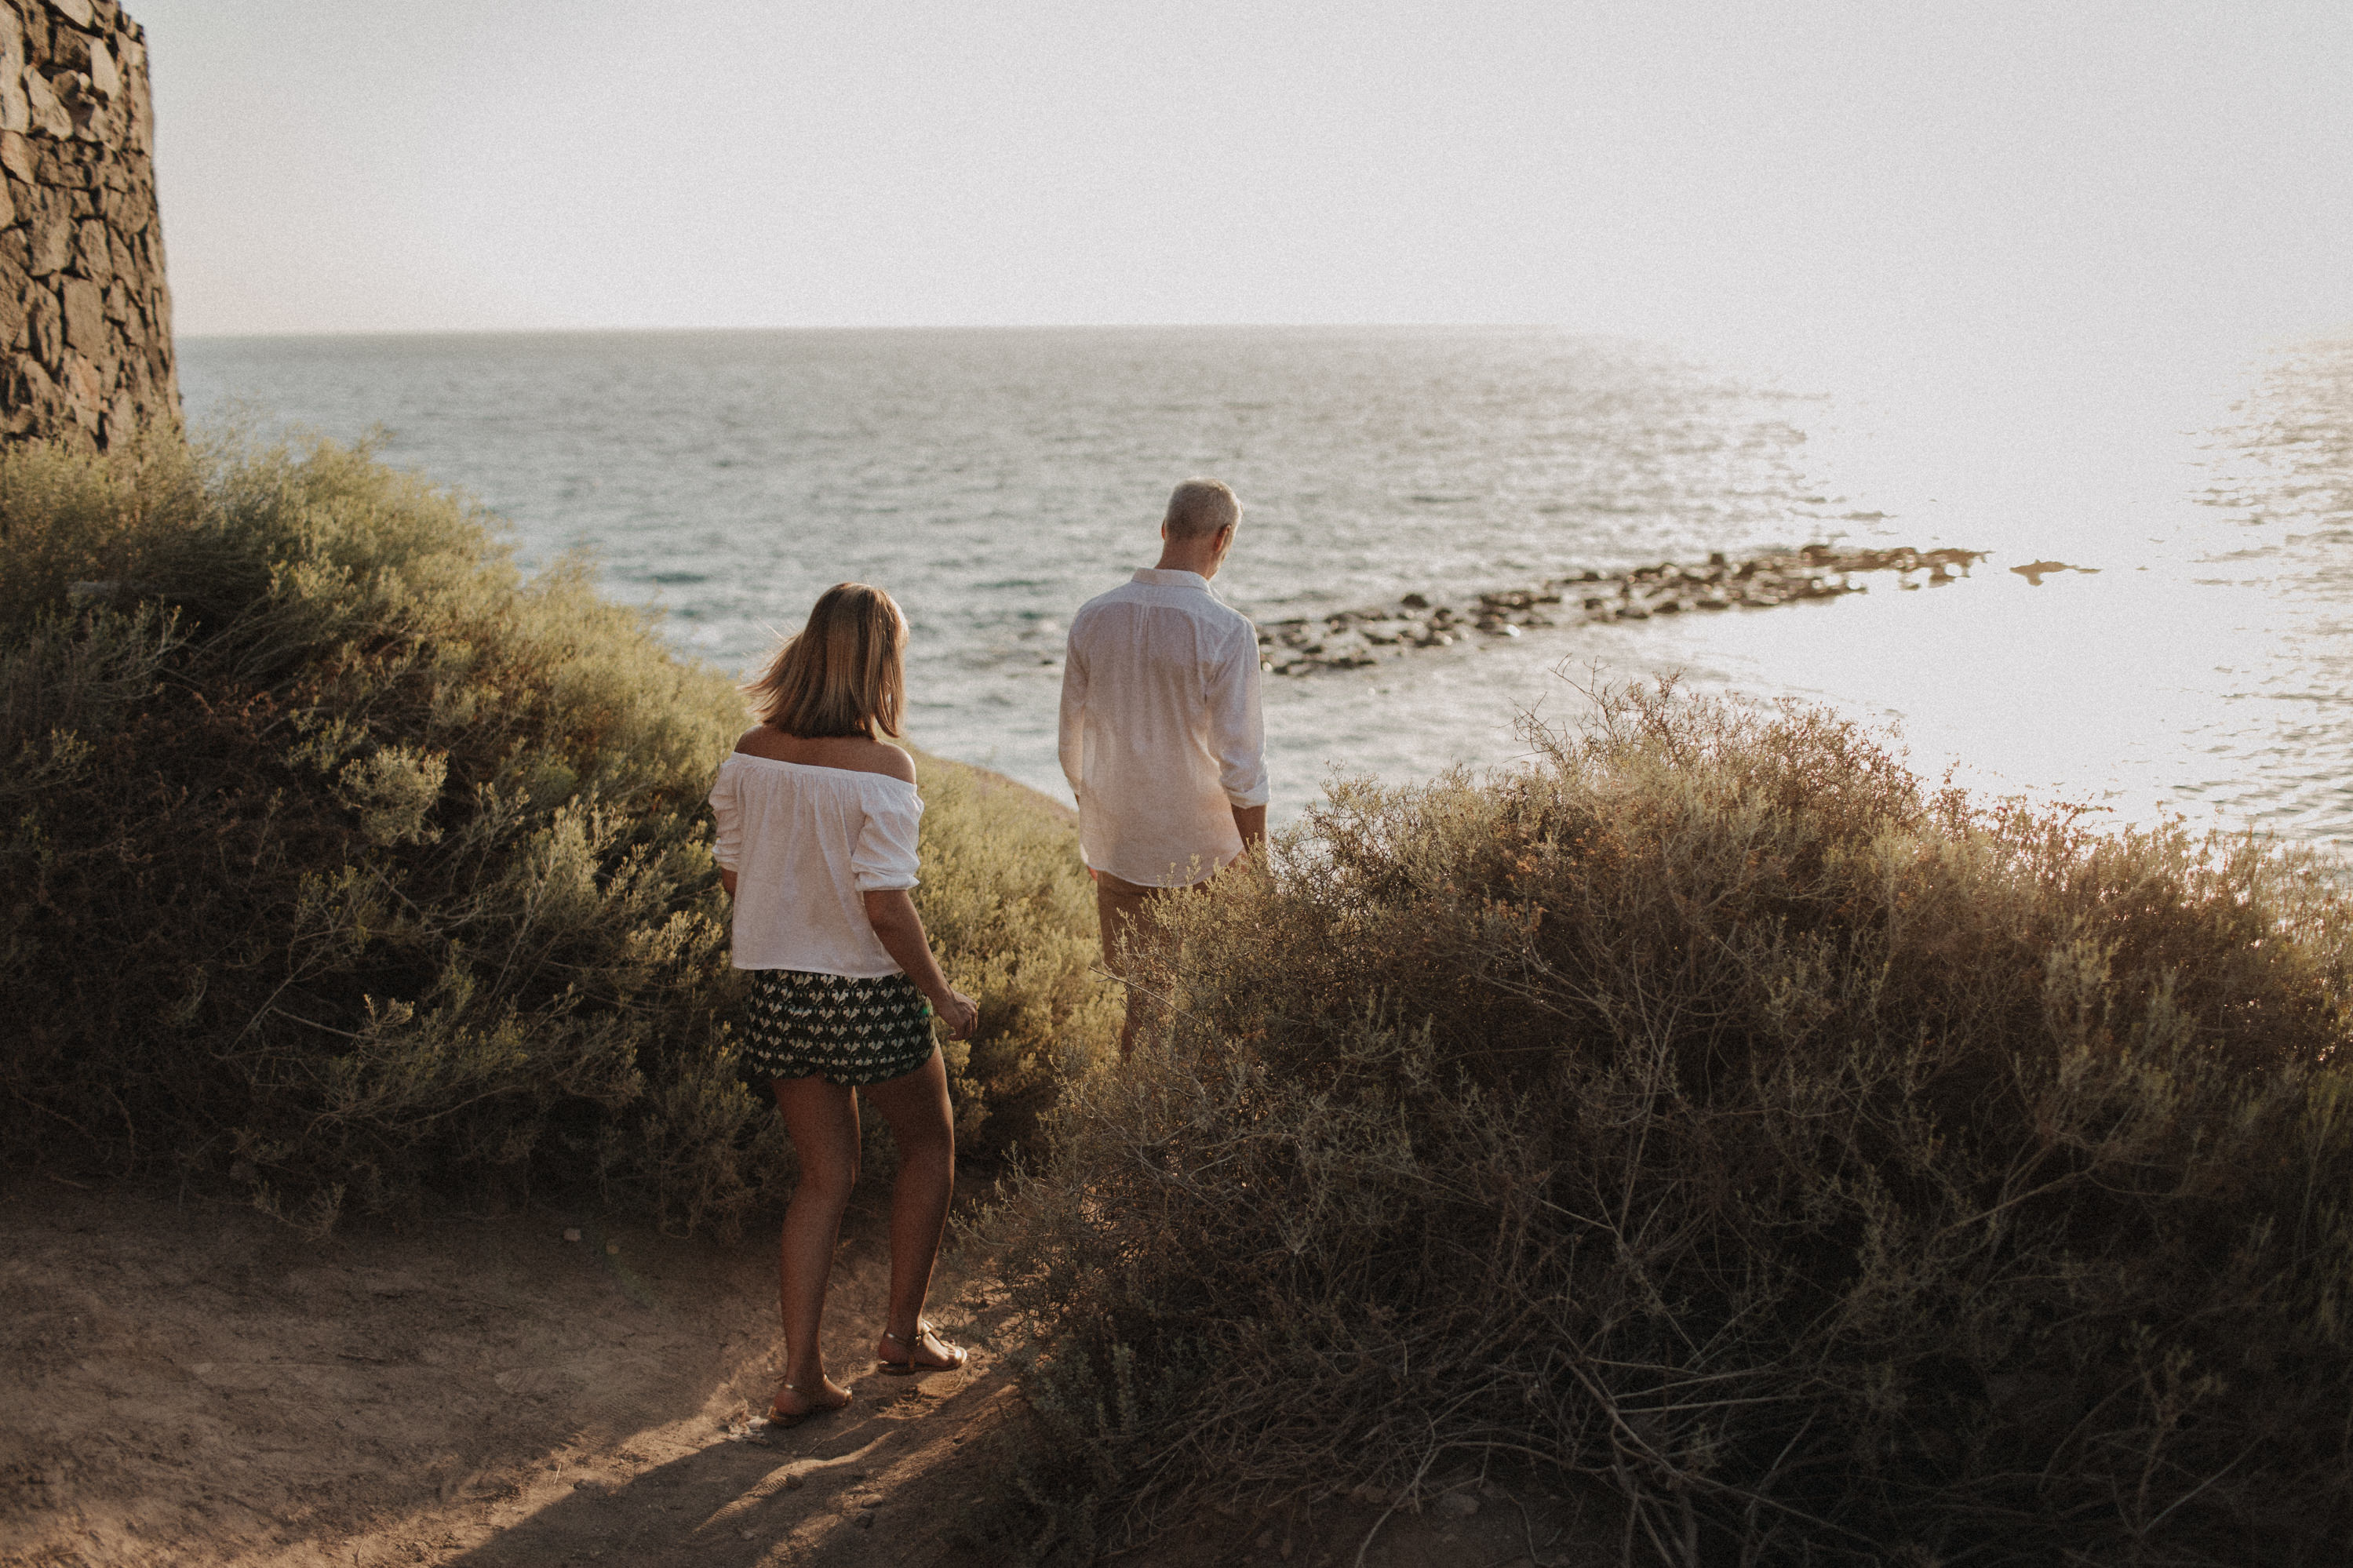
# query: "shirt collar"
{"type": "Point", "coordinates": [1170, 577]}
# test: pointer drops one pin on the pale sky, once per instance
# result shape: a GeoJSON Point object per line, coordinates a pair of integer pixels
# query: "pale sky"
{"type": "Point", "coordinates": [1880, 170]}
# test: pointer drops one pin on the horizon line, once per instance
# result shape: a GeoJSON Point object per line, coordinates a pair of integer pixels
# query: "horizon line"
{"type": "Point", "coordinates": [913, 327]}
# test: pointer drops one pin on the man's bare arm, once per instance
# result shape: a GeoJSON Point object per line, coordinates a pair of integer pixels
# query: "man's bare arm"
{"type": "Point", "coordinates": [1250, 821]}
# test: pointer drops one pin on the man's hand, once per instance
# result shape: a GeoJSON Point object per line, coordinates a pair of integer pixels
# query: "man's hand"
{"type": "Point", "coordinates": [1250, 821]}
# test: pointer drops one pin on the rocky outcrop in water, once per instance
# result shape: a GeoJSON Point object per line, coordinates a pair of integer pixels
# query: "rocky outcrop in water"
{"type": "Point", "coordinates": [2035, 571]}
{"type": "Point", "coordinates": [1349, 639]}
{"type": "Point", "coordinates": [85, 316]}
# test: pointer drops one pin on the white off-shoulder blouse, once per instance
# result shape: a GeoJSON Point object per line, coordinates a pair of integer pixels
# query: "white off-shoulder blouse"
{"type": "Point", "coordinates": [807, 844]}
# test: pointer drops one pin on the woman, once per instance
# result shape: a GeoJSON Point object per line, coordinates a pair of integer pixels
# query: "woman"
{"type": "Point", "coordinates": [816, 817]}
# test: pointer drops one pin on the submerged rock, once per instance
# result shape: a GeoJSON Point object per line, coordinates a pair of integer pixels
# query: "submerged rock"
{"type": "Point", "coordinates": [1350, 639]}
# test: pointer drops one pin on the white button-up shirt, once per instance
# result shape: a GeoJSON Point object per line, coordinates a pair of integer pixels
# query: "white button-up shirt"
{"type": "Point", "coordinates": [1161, 733]}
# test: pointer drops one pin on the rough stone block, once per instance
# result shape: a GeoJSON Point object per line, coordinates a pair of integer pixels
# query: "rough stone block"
{"type": "Point", "coordinates": [142, 107]}
{"type": "Point", "coordinates": [118, 307]}
{"type": "Point", "coordinates": [85, 393]}
{"type": "Point", "coordinates": [16, 154]}
{"type": "Point", "coordinates": [93, 251]}
{"type": "Point", "coordinates": [15, 112]}
{"type": "Point", "coordinates": [52, 227]}
{"type": "Point", "coordinates": [82, 101]}
{"type": "Point", "coordinates": [40, 387]}
{"type": "Point", "coordinates": [104, 79]}
{"type": "Point", "coordinates": [108, 127]}
{"type": "Point", "coordinates": [69, 51]}
{"type": "Point", "coordinates": [48, 327]}
{"type": "Point", "coordinates": [85, 313]}
{"type": "Point", "coordinates": [78, 12]}
{"type": "Point", "coordinates": [50, 115]}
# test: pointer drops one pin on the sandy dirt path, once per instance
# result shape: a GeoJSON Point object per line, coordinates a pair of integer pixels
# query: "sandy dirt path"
{"type": "Point", "coordinates": [184, 1381]}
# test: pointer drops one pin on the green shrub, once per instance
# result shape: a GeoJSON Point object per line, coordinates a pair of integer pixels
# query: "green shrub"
{"type": "Point", "coordinates": [340, 857]}
{"type": "Point", "coordinates": [1838, 1169]}
{"type": "Point", "coordinates": [1009, 909]}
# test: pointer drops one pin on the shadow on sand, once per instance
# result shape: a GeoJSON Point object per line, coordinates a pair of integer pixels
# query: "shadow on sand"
{"type": "Point", "coordinates": [904, 1476]}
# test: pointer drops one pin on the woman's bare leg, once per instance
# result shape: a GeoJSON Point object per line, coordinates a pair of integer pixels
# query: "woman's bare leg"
{"type": "Point", "coordinates": [916, 1107]}
{"type": "Point", "coordinates": [822, 1119]}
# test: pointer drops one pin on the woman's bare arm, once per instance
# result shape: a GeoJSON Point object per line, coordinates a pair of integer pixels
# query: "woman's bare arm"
{"type": "Point", "coordinates": [900, 932]}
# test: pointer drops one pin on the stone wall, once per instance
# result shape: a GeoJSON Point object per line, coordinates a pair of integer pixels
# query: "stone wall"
{"type": "Point", "coordinates": [85, 316]}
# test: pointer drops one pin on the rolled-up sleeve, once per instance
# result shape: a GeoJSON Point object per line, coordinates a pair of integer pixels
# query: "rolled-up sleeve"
{"type": "Point", "coordinates": [885, 857]}
{"type": "Point", "coordinates": [727, 847]}
{"type": "Point", "coordinates": [1237, 727]}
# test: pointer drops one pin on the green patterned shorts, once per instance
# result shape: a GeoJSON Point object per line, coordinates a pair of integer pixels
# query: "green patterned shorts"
{"type": "Point", "coordinates": [847, 1029]}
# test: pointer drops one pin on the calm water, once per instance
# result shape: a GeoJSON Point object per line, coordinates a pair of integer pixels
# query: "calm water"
{"type": "Point", "coordinates": [992, 480]}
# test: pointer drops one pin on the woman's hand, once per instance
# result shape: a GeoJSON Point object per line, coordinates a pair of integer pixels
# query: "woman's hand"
{"type": "Point", "coordinates": [959, 1012]}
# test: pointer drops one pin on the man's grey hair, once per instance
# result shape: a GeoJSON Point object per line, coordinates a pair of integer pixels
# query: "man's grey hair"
{"type": "Point", "coordinates": [1198, 508]}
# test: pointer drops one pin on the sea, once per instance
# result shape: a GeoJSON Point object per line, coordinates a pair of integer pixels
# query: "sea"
{"type": "Point", "coordinates": [2194, 656]}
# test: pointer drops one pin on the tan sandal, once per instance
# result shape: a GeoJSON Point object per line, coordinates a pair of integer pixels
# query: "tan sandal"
{"type": "Point", "coordinates": [907, 1365]}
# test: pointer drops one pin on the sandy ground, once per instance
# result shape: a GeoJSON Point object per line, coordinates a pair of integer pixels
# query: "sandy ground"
{"type": "Point", "coordinates": [185, 1381]}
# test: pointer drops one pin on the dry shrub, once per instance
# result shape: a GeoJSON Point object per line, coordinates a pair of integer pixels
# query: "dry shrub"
{"type": "Point", "coordinates": [340, 859]}
{"type": "Point", "coordinates": [1006, 900]}
{"type": "Point", "coordinates": [1841, 1170]}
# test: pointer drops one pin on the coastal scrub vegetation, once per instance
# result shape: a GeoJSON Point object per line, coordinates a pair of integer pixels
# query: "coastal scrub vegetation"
{"type": "Point", "coordinates": [1835, 1167]}
{"type": "Point", "coordinates": [340, 860]}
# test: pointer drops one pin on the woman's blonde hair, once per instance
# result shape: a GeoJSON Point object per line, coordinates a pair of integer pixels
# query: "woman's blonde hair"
{"type": "Point", "coordinates": [845, 674]}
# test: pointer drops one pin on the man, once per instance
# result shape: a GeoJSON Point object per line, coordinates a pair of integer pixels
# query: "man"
{"type": "Point", "coordinates": [1161, 736]}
